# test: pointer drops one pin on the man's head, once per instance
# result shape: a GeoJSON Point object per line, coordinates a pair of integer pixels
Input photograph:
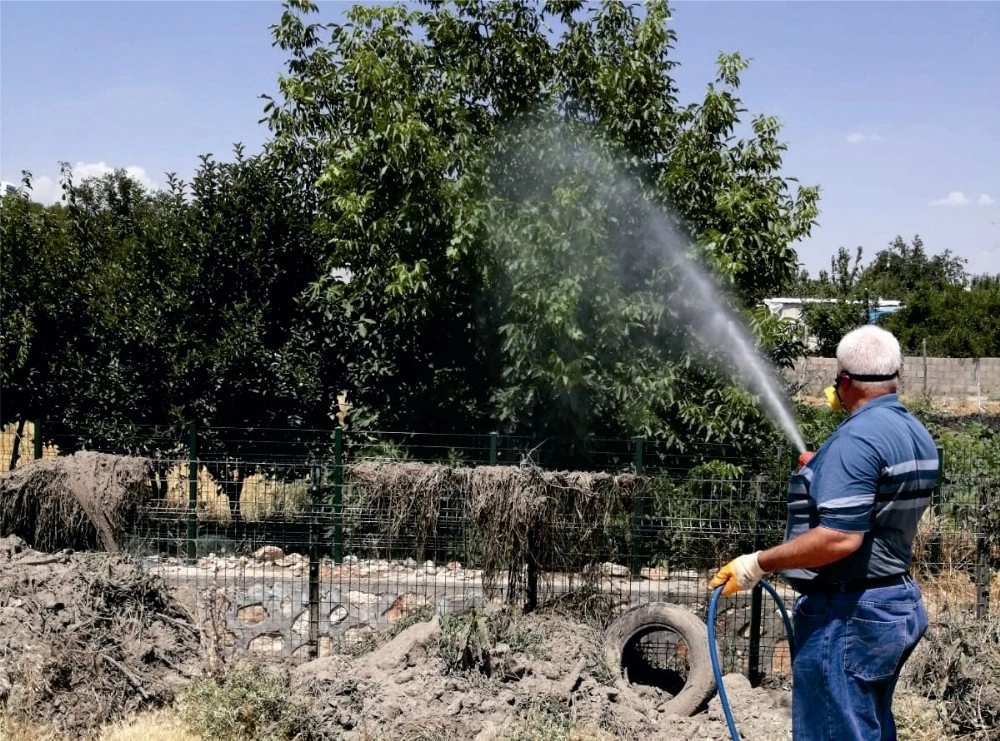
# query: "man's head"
{"type": "Point", "coordinates": [869, 361]}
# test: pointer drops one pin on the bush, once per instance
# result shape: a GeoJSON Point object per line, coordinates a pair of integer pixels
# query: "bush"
{"type": "Point", "coordinates": [958, 667]}
{"type": "Point", "coordinates": [245, 704]}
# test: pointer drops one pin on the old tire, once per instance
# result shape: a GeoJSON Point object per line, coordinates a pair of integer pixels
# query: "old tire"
{"type": "Point", "coordinates": [700, 684]}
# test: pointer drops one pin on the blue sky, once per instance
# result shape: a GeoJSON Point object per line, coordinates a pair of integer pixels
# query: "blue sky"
{"type": "Point", "coordinates": [893, 108]}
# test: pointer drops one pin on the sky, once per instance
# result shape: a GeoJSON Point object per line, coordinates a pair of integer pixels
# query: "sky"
{"type": "Point", "coordinates": [892, 108]}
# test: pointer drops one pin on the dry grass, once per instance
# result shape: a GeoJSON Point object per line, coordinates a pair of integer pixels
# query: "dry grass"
{"type": "Point", "coordinates": [509, 514]}
{"type": "Point", "coordinates": [961, 406]}
{"type": "Point", "coordinates": [950, 592]}
{"type": "Point", "coordinates": [156, 725]}
{"type": "Point", "coordinates": [957, 545]}
{"type": "Point", "coordinates": [917, 718]}
{"type": "Point", "coordinates": [957, 668]}
{"type": "Point", "coordinates": [948, 584]}
{"type": "Point", "coordinates": [81, 501]}
{"type": "Point", "coordinates": [261, 496]}
{"type": "Point", "coordinates": [14, 728]}
{"type": "Point", "coordinates": [8, 435]}
{"type": "Point", "coordinates": [212, 501]}
{"type": "Point", "coordinates": [404, 498]}
{"type": "Point", "coordinates": [264, 497]}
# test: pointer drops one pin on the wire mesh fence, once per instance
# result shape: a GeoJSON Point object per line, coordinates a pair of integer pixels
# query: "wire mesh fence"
{"type": "Point", "coordinates": [299, 542]}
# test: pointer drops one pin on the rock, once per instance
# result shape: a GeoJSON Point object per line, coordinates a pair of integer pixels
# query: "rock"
{"type": "Point", "coordinates": [268, 554]}
{"type": "Point", "coordinates": [405, 604]}
{"type": "Point", "coordinates": [614, 569]}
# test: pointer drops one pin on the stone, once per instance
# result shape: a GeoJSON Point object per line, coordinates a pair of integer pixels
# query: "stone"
{"type": "Point", "coordinates": [405, 604]}
{"type": "Point", "coordinates": [252, 614]}
{"type": "Point", "coordinates": [268, 554]}
{"type": "Point", "coordinates": [267, 643]}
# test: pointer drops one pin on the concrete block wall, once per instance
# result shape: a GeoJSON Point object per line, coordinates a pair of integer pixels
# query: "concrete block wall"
{"type": "Point", "coordinates": [939, 377]}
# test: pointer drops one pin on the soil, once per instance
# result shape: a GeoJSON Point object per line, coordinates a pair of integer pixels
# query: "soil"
{"type": "Point", "coordinates": [407, 687]}
{"type": "Point", "coordinates": [87, 638]}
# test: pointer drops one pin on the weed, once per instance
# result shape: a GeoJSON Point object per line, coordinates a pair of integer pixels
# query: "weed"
{"type": "Point", "coordinates": [244, 704]}
{"type": "Point", "coordinates": [550, 721]}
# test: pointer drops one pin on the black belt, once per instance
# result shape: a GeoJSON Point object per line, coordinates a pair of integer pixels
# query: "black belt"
{"type": "Point", "coordinates": [840, 587]}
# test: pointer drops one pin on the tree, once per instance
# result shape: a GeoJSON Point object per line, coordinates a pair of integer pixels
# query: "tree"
{"type": "Point", "coordinates": [942, 306]}
{"type": "Point", "coordinates": [127, 309]}
{"type": "Point", "coordinates": [841, 302]}
{"type": "Point", "coordinates": [954, 321]}
{"type": "Point", "coordinates": [480, 290]}
{"type": "Point", "coordinates": [38, 263]}
{"type": "Point", "coordinates": [903, 268]}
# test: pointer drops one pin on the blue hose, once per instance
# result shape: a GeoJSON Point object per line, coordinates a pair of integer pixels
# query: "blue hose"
{"type": "Point", "coordinates": [713, 649]}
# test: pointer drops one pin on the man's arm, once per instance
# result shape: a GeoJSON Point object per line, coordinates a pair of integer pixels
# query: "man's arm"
{"type": "Point", "coordinates": [814, 548]}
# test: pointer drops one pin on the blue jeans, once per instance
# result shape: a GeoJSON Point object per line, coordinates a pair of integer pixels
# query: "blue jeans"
{"type": "Point", "coordinates": [849, 651]}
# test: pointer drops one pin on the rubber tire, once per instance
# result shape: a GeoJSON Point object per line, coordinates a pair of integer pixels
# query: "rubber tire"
{"type": "Point", "coordinates": [700, 684]}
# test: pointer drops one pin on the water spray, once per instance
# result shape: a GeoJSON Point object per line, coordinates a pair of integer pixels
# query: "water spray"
{"type": "Point", "coordinates": [719, 326]}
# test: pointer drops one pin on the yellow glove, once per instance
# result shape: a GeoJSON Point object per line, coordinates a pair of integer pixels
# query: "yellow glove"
{"type": "Point", "coordinates": [740, 573]}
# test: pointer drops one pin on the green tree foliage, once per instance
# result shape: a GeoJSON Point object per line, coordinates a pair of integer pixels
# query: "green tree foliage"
{"type": "Point", "coordinates": [953, 313]}
{"type": "Point", "coordinates": [840, 301]}
{"type": "Point", "coordinates": [903, 268]}
{"type": "Point", "coordinates": [38, 262]}
{"type": "Point", "coordinates": [464, 219]}
{"type": "Point", "coordinates": [126, 308]}
{"type": "Point", "coordinates": [462, 154]}
{"type": "Point", "coordinates": [954, 321]}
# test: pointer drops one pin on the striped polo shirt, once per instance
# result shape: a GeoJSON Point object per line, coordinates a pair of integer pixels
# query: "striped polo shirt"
{"type": "Point", "coordinates": [874, 475]}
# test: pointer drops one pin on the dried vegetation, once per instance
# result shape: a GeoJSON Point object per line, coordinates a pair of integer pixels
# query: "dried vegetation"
{"type": "Point", "coordinates": [88, 638]}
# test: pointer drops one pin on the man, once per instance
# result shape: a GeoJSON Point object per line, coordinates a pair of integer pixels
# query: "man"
{"type": "Point", "coordinates": [853, 510]}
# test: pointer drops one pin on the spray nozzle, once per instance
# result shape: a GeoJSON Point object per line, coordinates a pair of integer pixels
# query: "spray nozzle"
{"type": "Point", "coordinates": [805, 457]}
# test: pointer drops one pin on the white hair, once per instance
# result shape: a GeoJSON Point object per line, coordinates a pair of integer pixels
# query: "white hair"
{"type": "Point", "coordinates": [870, 351]}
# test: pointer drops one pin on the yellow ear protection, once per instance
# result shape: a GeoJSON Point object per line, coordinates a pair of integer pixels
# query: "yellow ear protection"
{"type": "Point", "coordinates": [833, 393]}
{"type": "Point", "coordinates": [833, 398]}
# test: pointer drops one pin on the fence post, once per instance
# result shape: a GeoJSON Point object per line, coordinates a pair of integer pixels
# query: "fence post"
{"type": "Point", "coordinates": [757, 593]}
{"type": "Point", "coordinates": [192, 509]}
{"type": "Point", "coordinates": [338, 495]}
{"type": "Point", "coordinates": [531, 578]}
{"type": "Point", "coordinates": [935, 544]}
{"type": "Point", "coordinates": [37, 439]}
{"type": "Point", "coordinates": [315, 499]}
{"type": "Point", "coordinates": [983, 540]}
{"type": "Point", "coordinates": [531, 586]}
{"type": "Point", "coordinates": [923, 346]}
{"type": "Point", "coordinates": [494, 448]}
{"type": "Point", "coordinates": [637, 509]}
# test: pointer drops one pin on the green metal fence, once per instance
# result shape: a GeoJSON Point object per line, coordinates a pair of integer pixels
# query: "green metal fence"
{"type": "Point", "coordinates": [297, 541]}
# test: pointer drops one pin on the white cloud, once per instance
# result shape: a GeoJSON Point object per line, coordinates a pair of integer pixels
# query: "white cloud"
{"type": "Point", "coordinates": [48, 190]}
{"type": "Point", "coordinates": [984, 200]}
{"type": "Point", "coordinates": [955, 198]}
{"type": "Point", "coordinates": [858, 137]}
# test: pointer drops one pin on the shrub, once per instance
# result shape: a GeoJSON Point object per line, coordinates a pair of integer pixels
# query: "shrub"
{"type": "Point", "coordinates": [247, 703]}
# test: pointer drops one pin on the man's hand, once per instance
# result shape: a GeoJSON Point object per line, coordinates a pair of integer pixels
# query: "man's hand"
{"type": "Point", "coordinates": [740, 573]}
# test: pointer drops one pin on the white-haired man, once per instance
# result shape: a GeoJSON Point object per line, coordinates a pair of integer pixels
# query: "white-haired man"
{"type": "Point", "coordinates": [853, 510]}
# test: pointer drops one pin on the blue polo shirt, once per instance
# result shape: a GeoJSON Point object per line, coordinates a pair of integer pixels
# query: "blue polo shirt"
{"type": "Point", "coordinates": [874, 475]}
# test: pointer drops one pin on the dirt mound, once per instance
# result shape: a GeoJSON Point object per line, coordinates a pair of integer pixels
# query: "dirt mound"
{"type": "Point", "coordinates": [958, 667]}
{"type": "Point", "coordinates": [445, 679]}
{"type": "Point", "coordinates": [87, 638]}
{"type": "Point", "coordinates": [80, 501]}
